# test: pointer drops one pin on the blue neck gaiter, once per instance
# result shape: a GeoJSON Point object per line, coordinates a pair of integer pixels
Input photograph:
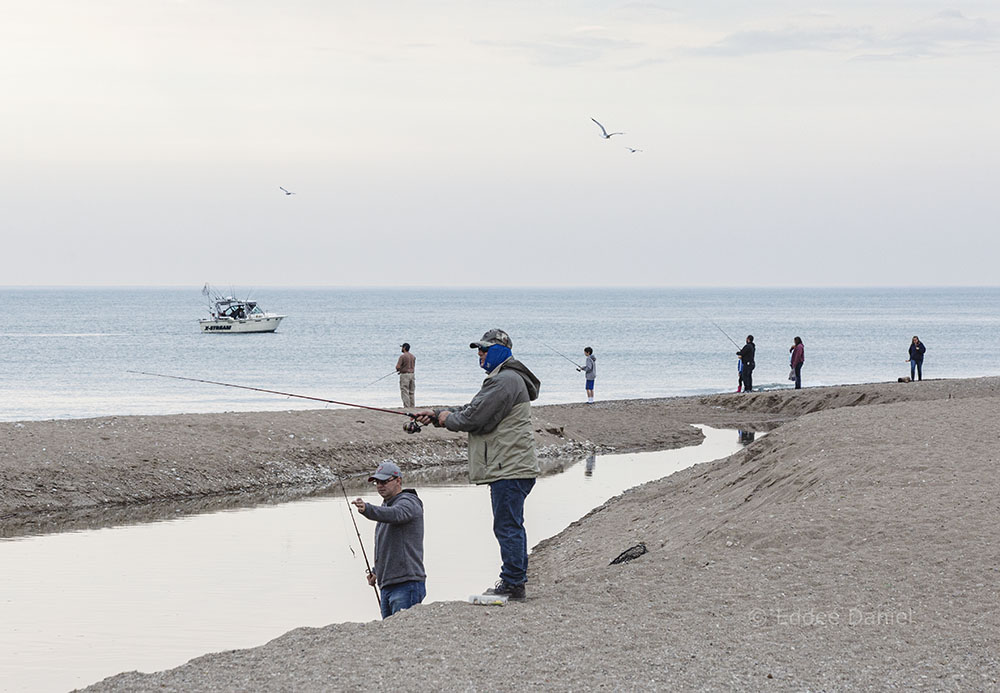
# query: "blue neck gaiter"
{"type": "Point", "coordinates": [495, 355]}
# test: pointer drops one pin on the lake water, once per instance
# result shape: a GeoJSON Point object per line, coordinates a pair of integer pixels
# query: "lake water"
{"type": "Point", "coordinates": [66, 352]}
{"type": "Point", "coordinates": [79, 606]}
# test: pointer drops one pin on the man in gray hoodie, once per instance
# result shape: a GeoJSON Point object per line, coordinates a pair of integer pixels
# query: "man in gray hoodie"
{"type": "Point", "coordinates": [501, 450]}
{"type": "Point", "coordinates": [399, 540]}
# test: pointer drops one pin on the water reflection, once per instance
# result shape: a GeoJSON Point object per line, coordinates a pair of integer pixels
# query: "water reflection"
{"type": "Point", "coordinates": [153, 595]}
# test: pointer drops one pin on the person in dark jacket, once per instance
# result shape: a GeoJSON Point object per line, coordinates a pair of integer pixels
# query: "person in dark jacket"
{"type": "Point", "coordinates": [746, 355]}
{"type": "Point", "coordinates": [399, 540]}
{"type": "Point", "coordinates": [916, 359]}
{"type": "Point", "coordinates": [501, 450]}
{"type": "Point", "coordinates": [798, 352]}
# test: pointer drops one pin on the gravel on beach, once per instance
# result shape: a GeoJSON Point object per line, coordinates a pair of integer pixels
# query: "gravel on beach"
{"type": "Point", "coordinates": [854, 546]}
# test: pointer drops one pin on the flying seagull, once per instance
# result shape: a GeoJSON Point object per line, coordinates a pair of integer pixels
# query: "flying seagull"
{"type": "Point", "coordinates": [633, 150]}
{"type": "Point", "coordinates": [604, 133]}
{"type": "Point", "coordinates": [287, 192]}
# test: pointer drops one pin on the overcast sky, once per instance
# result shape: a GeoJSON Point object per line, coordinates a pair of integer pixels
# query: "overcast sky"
{"type": "Point", "coordinates": [450, 143]}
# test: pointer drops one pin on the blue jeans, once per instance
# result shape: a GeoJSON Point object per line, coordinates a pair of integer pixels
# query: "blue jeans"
{"type": "Point", "coordinates": [917, 366]}
{"type": "Point", "coordinates": [798, 377]}
{"type": "Point", "coordinates": [401, 596]}
{"type": "Point", "coordinates": [508, 526]}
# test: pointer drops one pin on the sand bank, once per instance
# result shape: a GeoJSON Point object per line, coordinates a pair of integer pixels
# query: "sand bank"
{"type": "Point", "coordinates": [855, 546]}
{"type": "Point", "coordinates": [56, 475]}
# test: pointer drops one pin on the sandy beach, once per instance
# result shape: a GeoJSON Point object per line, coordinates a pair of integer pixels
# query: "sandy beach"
{"type": "Point", "coordinates": [854, 546]}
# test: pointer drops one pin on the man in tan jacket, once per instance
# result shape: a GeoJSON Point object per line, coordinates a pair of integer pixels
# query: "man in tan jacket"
{"type": "Point", "coordinates": [501, 450]}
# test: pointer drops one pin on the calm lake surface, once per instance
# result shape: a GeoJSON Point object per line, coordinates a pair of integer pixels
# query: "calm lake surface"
{"type": "Point", "coordinates": [80, 606]}
{"type": "Point", "coordinates": [67, 351]}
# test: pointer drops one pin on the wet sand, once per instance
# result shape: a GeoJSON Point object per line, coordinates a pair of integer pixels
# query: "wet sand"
{"type": "Point", "coordinates": [854, 546]}
{"type": "Point", "coordinates": [57, 475]}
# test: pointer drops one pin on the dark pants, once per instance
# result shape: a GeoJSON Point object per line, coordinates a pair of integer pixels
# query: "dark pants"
{"type": "Point", "coordinates": [401, 596]}
{"type": "Point", "coordinates": [747, 379]}
{"type": "Point", "coordinates": [917, 366]}
{"type": "Point", "coordinates": [798, 377]}
{"type": "Point", "coordinates": [508, 526]}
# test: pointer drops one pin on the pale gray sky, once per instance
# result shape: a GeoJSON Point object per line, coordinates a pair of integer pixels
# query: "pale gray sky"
{"type": "Point", "coordinates": [450, 142]}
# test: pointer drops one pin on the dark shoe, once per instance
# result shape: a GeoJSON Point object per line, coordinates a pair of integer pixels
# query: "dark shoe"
{"type": "Point", "coordinates": [515, 593]}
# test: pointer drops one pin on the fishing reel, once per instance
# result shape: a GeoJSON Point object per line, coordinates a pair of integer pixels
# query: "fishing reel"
{"type": "Point", "coordinates": [414, 426]}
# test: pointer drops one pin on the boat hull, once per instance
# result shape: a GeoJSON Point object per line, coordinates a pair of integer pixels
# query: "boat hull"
{"type": "Point", "coordinates": [268, 323]}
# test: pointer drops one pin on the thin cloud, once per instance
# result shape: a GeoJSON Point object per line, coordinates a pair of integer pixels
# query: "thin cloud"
{"type": "Point", "coordinates": [576, 50]}
{"type": "Point", "coordinates": [948, 29]}
{"type": "Point", "coordinates": [760, 42]}
{"type": "Point", "coordinates": [946, 33]}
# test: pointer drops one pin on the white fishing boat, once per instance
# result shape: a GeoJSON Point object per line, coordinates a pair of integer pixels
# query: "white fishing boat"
{"type": "Point", "coordinates": [229, 315]}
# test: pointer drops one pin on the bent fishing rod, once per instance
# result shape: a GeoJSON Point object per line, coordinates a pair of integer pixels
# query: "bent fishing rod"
{"type": "Point", "coordinates": [412, 427]}
{"type": "Point", "coordinates": [351, 509]}
{"type": "Point", "coordinates": [578, 366]}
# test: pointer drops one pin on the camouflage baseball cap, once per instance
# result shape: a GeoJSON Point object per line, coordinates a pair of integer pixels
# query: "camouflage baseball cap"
{"type": "Point", "coordinates": [490, 338]}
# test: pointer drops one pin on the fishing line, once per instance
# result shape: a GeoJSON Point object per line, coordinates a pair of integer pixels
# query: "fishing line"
{"type": "Point", "coordinates": [564, 356]}
{"type": "Point", "coordinates": [352, 509]}
{"type": "Point", "coordinates": [411, 427]}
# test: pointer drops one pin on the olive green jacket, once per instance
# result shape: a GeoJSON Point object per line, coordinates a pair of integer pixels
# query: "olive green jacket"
{"type": "Point", "coordinates": [498, 421]}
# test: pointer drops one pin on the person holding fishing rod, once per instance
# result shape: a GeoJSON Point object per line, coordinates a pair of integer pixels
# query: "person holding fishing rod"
{"type": "Point", "coordinates": [399, 540]}
{"type": "Point", "coordinates": [501, 450]}
{"type": "Point", "coordinates": [746, 355]}
{"type": "Point", "coordinates": [745, 364]}
{"type": "Point", "coordinates": [589, 372]}
{"type": "Point", "coordinates": [589, 369]}
{"type": "Point", "coordinates": [405, 366]}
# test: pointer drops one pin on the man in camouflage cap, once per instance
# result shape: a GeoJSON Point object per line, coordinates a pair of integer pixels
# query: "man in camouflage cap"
{"type": "Point", "coordinates": [501, 450]}
{"type": "Point", "coordinates": [490, 338]}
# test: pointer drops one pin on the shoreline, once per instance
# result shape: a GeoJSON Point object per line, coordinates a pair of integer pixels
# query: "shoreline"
{"type": "Point", "coordinates": [854, 546]}
{"type": "Point", "coordinates": [61, 474]}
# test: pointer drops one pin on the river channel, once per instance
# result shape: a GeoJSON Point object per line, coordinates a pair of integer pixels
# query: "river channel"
{"type": "Point", "coordinates": [79, 606]}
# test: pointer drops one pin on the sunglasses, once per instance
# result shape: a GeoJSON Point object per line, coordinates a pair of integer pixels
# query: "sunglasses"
{"type": "Point", "coordinates": [382, 482]}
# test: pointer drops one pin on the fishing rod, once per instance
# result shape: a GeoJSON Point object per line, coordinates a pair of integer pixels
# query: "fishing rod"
{"type": "Point", "coordinates": [721, 330]}
{"type": "Point", "coordinates": [352, 510]}
{"type": "Point", "coordinates": [578, 366]}
{"type": "Point", "coordinates": [412, 427]}
{"type": "Point", "coordinates": [380, 379]}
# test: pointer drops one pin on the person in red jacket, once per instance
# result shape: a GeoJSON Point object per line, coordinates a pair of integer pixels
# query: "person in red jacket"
{"type": "Point", "coordinates": [798, 352]}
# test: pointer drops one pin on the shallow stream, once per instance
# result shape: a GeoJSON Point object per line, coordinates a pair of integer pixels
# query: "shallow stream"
{"type": "Point", "coordinates": [79, 606]}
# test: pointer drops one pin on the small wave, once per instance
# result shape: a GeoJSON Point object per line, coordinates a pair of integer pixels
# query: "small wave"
{"type": "Point", "coordinates": [62, 334]}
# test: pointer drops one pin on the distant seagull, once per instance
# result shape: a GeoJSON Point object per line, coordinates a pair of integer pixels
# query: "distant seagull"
{"type": "Point", "coordinates": [285, 191]}
{"type": "Point", "coordinates": [633, 150]}
{"type": "Point", "coordinates": [604, 133]}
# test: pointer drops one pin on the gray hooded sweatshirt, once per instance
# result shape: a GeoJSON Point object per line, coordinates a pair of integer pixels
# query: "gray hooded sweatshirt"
{"type": "Point", "coordinates": [399, 538]}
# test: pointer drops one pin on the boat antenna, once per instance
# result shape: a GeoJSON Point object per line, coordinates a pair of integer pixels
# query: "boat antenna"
{"type": "Point", "coordinates": [564, 356]}
{"type": "Point", "coordinates": [412, 427]}
{"type": "Point", "coordinates": [351, 510]}
{"type": "Point", "coordinates": [721, 330]}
